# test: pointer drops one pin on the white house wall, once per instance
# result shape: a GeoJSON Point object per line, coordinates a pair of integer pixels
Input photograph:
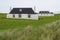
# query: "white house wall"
{"type": "Point", "coordinates": [16, 16]}
{"type": "Point", "coordinates": [51, 14]}
{"type": "Point", "coordinates": [9, 15]}
{"type": "Point", "coordinates": [46, 14]}
{"type": "Point", "coordinates": [23, 16]}
{"type": "Point", "coordinates": [34, 16]}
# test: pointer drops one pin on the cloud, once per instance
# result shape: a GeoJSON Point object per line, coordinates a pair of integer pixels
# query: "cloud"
{"type": "Point", "coordinates": [51, 5]}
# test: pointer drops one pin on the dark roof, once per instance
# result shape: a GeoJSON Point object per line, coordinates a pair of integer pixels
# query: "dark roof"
{"type": "Point", "coordinates": [22, 11]}
{"type": "Point", "coordinates": [51, 12]}
{"type": "Point", "coordinates": [44, 12]}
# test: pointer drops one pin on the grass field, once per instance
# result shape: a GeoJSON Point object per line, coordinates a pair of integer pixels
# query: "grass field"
{"type": "Point", "coordinates": [21, 23]}
{"type": "Point", "coordinates": [47, 28]}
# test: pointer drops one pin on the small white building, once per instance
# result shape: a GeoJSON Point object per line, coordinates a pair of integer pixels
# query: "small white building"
{"type": "Point", "coordinates": [23, 13]}
{"type": "Point", "coordinates": [46, 13]}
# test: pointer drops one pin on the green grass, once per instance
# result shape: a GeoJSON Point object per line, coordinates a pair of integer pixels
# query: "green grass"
{"type": "Point", "coordinates": [50, 31]}
{"type": "Point", "coordinates": [6, 23]}
{"type": "Point", "coordinates": [21, 29]}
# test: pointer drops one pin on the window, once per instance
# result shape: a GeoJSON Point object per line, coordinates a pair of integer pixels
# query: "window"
{"type": "Point", "coordinates": [28, 15]}
{"type": "Point", "coordinates": [42, 11]}
{"type": "Point", "coordinates": [20, 10]}
{"type": "Point", "coordinates": [19, 15]}
{"type": "Point", "coordinates": [13, 15]}
{"type": "Point", "coordinates": [51, 12]}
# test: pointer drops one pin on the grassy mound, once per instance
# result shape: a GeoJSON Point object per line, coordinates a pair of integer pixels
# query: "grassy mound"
{"type": "Point", "coordinates": [49, 32]}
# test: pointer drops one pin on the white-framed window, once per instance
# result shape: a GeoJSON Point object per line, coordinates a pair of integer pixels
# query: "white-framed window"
{"type": "Point", "coordinates": [13, 15]}
{"type": "Point", "coordinates": [20, 10]}
{"type": "Point", "coordinates": [29, 15]}
{"type": "Point", "coordinates": [19, 15]}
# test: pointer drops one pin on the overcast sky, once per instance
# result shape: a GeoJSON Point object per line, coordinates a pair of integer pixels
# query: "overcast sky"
{"type": "Point", "coordinates": [45, 5]}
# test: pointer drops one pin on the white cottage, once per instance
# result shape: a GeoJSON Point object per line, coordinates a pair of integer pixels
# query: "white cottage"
{"type": "Point", "coordinates": [46, 13]}
{"type": "Point", "coordinates": [23, 13]}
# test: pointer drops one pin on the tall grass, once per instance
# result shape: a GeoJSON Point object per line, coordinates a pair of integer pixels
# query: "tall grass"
{"type": "Point", "coordinates": [49, 32]}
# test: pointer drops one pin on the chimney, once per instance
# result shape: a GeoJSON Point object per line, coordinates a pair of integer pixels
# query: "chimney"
{"type": "Point", "coordinates": [34, 9]}
{"type": "Point", "coordinates": [10, 8]}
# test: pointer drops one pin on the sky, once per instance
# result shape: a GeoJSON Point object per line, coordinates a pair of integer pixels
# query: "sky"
{"type": "Point", "coordinates": [40, 5]}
